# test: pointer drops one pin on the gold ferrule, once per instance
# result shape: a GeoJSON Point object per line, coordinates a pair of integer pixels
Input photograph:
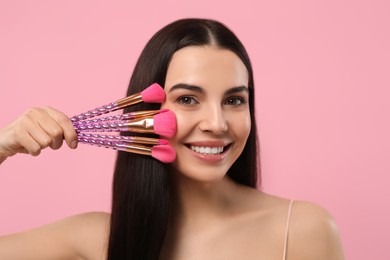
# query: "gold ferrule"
{"type": "Point", "coordinates": [130, 100]}
{"type": "Point", "coordinates": [139, 149]}
{"type": "Point", "coordinates": [145, 140]}
{"type": "Point", "coordinates": [140, 125]}
{"type": "Point", "coordinates": [144, 113]}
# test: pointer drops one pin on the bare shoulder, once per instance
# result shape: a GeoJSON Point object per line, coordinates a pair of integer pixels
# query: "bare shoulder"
{"type": "Point", "coordinates": [90, 233]}
{"type": "Point", "coordinates": [82, 236]}
{"type": "Point", "coordinates": [97, 219]}
{"type": "Point", "coordinates": [309, 217]}
{"type": "Point", "coordinates": [308, 213]}
{"type": "Point", "coordinates": [313, 233]}
{"type": "Point", "coordinates": [85, 233]}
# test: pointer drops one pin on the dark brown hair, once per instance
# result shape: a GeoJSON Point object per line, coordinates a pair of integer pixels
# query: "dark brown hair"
{"type": "Point", "coordinates": [141, 188]}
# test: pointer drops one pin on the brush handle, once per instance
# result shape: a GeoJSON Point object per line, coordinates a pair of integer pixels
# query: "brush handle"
{"type": "Point", "coordinates": [100, 142]}
{"type": "Point", "coordinates": [120, 146]}
{"type": "Point", "coordinates": [152, 94]}
{"type": "Point", "coordinates": [121, 138]}
{"type": "Point", "coordinates": [96, 112]}
{"type": "Point", "coordinates": [138, 125]}
{"type": "Point", "coordinates": [119, 104]}
{"type": "Point", "coordinates": [101, 119]}
{"type": "Point", "coordinates": [97, 127]}
{"type": "Point", "coordinates": [127, 116]}
{"type": "Point", "coordinates": [112, 138]}
{"type": "Point", "coordinates": [116, 126]}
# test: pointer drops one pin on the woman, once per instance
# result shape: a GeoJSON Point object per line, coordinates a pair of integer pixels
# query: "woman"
{"type": "Point", "coordinates": [205, 205]}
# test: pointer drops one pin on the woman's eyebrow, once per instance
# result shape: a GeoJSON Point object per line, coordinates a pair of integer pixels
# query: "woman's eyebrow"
{"type": "Point", "coordinates": [202, 91]}
{"type": "Point", "coordinates": [237, 89]}
{"type": "Point", "coordinates": [187, 87]}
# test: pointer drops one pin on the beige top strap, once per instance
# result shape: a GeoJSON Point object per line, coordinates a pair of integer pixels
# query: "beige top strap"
{"type": "Point", "coordinates": [287, 225]}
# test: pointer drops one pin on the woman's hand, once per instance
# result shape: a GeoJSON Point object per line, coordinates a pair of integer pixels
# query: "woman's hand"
{"type": "Point", "coordinates": [35, 130]}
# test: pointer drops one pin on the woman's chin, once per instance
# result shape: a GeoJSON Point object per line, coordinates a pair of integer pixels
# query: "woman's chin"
{"type": "Point", "coordinates": [200, 175]}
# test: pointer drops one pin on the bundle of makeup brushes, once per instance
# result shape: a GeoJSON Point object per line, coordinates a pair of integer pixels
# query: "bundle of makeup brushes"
{"type": "Point", "coordinates": [92, 128]}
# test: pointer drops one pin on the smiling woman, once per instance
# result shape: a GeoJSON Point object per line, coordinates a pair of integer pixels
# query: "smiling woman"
{"type": "Point", "coordinates": [204, 205]}
{"type": "Point", "coordinates": [213, 116]}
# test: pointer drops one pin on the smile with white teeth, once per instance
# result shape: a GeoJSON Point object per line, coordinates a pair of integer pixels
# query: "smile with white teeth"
{"type": "Point", "coordinates": [207, 150]}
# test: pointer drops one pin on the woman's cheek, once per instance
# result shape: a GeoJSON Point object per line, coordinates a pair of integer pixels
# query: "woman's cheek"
{"type": "Point", "coordinates": [183, 120]}
{"type": "Point", "coordinates": [247, 124]}
{"type": "Point", "coordinates": [241, 121]}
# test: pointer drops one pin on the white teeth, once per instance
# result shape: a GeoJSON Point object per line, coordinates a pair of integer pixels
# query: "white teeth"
{"type": "Point", "coordinates": [207, 150]}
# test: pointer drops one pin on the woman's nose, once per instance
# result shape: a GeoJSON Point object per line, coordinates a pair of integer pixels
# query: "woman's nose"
{"type": "Point", "coordinates": [213, 120]}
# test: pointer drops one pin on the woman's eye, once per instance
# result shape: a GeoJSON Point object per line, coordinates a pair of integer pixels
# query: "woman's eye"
{"type": "Point", "coordinates": [186, 100]}
{"type": "Point", "coordinates": [235, 101]}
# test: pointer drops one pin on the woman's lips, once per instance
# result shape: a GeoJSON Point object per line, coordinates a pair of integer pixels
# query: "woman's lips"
{"type": "Point", "coordinates": [205, 151]}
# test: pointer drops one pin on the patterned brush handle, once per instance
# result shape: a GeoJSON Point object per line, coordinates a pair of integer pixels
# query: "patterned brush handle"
{"type": "Point", "coordinates": [121, 146]}
{"type": "Point", "coordinates": [102, 143]}
{"type": "Point", "coordinates": [108, 137]}
{"type": "Point", "coordinates": [127, 116]}
{"type": "Point", "coordinates": [101, 127]}
{"type": "Point", "coordinates": [102, 119]}
{"type": "Point", "coordinates": [138, 125]}
{"type": "Point", "coordinates": [96, 112]}
{"type": "Point", "coordinates": [126, 139]}
{"type": "Point", "coordinates": [116, 126]}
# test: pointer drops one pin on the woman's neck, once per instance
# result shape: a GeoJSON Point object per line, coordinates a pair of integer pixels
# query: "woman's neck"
{"type": "Point", "coordinates": [199, 203]}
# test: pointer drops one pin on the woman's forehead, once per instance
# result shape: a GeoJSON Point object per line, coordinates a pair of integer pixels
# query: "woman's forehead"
{"type": "Point", "coordinates": [204, 66]}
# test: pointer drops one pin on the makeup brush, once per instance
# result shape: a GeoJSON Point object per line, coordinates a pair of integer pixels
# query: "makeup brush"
{"type": "Point", "coordinates": [163, 124]}
{"type": "Point", "coordinates": [127, 116]}
{"type": "Point", "coordinates": [163, 153]}
{"type": "Point", "coordinates": [153, 94]}
{"type": "Point", "coordinates": [125, 139]}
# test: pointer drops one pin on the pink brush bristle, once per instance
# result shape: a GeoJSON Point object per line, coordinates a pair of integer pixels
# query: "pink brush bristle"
{"type": "Point", "coordinates": [165, 124]}
{"type": "Point", "coordinates": [164, 153]}
{"type": "Point", "coordinates": [163, 141]}
{"type": "Point", "coordinates": [153, 94]}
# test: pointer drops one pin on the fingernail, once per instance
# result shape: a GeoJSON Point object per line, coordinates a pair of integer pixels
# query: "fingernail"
{"type": "Point", "coordinates": [73, 144]}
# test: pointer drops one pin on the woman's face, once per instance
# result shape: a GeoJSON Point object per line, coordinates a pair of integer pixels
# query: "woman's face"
{"type": "Point", "coordinates": [207, 88]}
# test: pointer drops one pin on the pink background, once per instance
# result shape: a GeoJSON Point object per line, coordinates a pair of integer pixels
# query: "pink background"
{"type": "Point", "coordinates": [322, 74]}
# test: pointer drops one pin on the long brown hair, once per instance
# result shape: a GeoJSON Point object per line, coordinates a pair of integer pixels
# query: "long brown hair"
{"type": "Point", "coordinates": [141, 189]}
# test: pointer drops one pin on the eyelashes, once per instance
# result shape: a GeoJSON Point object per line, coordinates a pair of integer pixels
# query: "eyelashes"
{"type": "Point", "coordinates": [187, 100]}
{"type": "Point", "coordinates": [234, 101]}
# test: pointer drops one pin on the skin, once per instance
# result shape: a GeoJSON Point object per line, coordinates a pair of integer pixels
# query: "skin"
{"type": "Point", "coordinates": [214, 217]}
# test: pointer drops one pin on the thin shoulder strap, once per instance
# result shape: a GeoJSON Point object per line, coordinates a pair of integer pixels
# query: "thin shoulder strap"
{"type": "Point", "coordinates": [286, 234]}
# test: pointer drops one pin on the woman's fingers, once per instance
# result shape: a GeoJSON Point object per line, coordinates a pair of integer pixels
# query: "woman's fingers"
{"type": "Point", "coordinates": [42, 128]}
{"type": "Point", "coordinates": [52, 135]}
{"type": "Point", "coordinates": [65, 124]}
{"type": "Point", "coordinates": [29, 144]}
{"type": "Point", "coordinates": [57, 127]}
{"type": "Point", "coordinates": [36, 129]}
